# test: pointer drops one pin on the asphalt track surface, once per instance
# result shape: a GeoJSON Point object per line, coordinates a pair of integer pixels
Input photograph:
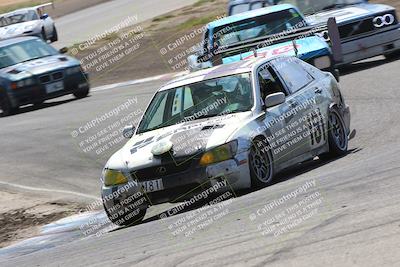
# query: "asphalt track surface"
{"type": "Point", "coordinates": [80, 26]}
{"type": "Point", "coordinates": [357, 224]}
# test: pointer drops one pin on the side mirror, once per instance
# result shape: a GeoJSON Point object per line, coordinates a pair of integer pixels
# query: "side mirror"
{"type": "Point", "coordinates": [193, 63]}
{"type": "Point", "coordinates": [63, 50]}
{"type": "Point", "coordinates": [128, 131]}
{"type": "Point", "coordinates": [44, 16]}
{"type": "Point", "coordinates": [273, 100]}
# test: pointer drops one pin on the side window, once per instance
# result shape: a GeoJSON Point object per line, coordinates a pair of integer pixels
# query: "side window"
{"type": "Point", "coordinates": [188, 101]}
{"type": "Point", "coordinates": [293, 74]}
{"type": "Point", "coordinates": [158, 117]}
{"type": "Point", "coordinates": [177, 102]}
{"type": "Point", "coordinates": [256, 5]}
{"type": "Point", "coordinates": [316, 73]}
{"type": "Point", "coordinates": [269, 82]}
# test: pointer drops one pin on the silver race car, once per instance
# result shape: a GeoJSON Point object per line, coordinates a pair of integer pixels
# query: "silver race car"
{"type": "Point", "coordinates": [229, 127]}
{"type": "Point", "coordinates": [30, 21]}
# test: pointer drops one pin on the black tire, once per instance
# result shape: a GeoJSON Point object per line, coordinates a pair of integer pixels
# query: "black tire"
{"type": "Point", "coordinates": [121, 221]}
{"type": "Point", "coordinates": [54, 38]}
{"type": "Point", "coordinates": [393, 55]}
{"type": "Point", "coordinates": [44, 37]}
{"type": "Point", "coordinates": [5, 107]}
{"type": "Point", "coordinates": [337, 135]}
{"type": "Point", "coordinates": [260, 164]}
{"type": "Point", "coordinates": [38, 103]}
{"type": "Point", "coordinates": [336, 74]}
{"type": "Point", "coordinates": [82, 93]}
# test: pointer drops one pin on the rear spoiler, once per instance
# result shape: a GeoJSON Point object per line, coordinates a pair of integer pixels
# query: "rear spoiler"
{"type": "Point", "coordinates": [45, 5]}
{"type": "Point", "coordinates": [215, 55]}
{"type": "Point", "coordinates": [42, 6]}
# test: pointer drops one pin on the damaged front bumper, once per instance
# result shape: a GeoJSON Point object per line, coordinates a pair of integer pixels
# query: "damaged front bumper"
{"type": "Point", "coordinates": [217, 178]}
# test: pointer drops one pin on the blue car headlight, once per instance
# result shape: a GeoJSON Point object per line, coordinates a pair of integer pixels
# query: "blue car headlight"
{"type": "Point", "coordinates": [23, 83]}
{"type": "Point", "coordinates": [73, 70]}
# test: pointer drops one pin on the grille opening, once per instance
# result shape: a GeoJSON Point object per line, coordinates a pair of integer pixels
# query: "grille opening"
{"type": "Point", "coordinates": [45, 79]}
{"type": "Point", "coordinates": [57, 76]}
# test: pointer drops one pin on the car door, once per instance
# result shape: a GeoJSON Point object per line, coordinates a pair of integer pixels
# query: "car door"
{"type": "Point", "coordinates": [298, 83]}
{"type": "Point", "coordinates": [319, 100]}
{"type": "Point", "coordinates": [275, 125]}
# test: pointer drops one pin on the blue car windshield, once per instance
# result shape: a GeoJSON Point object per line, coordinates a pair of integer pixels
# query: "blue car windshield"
{"type": "Point", "coordinates": [25, 51]}
{"type": "Point", "coordinates": [257, 27]}
{"type": "Point", "coordinates": [314, 6]}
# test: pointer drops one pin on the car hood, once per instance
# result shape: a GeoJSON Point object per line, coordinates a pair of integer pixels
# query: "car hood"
{"type": "Point", "coordinates": [19, 29]}
{"type": "Point", "coordinates": [348, 14]}
{"type": "Point", "coordinates": [189, 139]}
{"type": "Point", "coordinates": [38, 66]}
{"type": "Point", "coordinates": [308, 47]}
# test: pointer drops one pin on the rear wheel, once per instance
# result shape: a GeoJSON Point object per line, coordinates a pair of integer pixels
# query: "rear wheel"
{"type": "Point", "coordinates": [54, 38]}
{"type": "Point", "coordinates": [44, 37]}
{"type": "Point", "coordinates": [337, 137]}
{"type": "Point", "coordinates": [261, 164]}
{"type": "Point", "coordinates": [393, 55]}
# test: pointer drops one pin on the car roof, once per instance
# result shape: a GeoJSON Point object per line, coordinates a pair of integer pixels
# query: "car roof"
{"type": "Point", "coordinates": [242, 66]}
{"type": "Point", "coordinates": [249, 14]}
{"type": "Point", "coordinates": [17, 11]}
{"type": "Point", "coordinates": [16, 40]}
{"type": "Point", "coordinates": [238, 2]}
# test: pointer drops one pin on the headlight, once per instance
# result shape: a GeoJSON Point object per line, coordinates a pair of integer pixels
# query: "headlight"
{"type": "Point", "coordinates": [111, 177]}
{"type": "Point", "coordinates": [23, 83]}
{"type": "Point", "coordinates": [73, 70]}
{"type": "Point", "coordinates": [322, 62]}
{"type": "Point", "coordinates": [220, 153]}
{"type": "Point", "coordinates": [29, 82]}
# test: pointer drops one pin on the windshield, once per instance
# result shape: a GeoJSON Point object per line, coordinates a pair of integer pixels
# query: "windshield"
{"type": "Point", "coordinates": [25, 51]}
{"type": "Point", "coordinates": [210, 98]}
{"type": "Point", "coordinates": [313, 6]}
{"type": "Point", "coordinates": [15, 18]}
{"type": "Point", "coordinates": [258, 27]}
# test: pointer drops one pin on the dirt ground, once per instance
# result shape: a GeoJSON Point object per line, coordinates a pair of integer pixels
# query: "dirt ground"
{"type": "Point", "coordinates": [61, 7]}
{"type": "Point", "coordinates": [151, 54]}
{"type": "Point", "coordinates": [149, 39]}
{"type": "Point", "coordinates": [21, 215]}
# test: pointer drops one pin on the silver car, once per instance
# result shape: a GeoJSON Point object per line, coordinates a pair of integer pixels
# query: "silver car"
{"type": "Point", "coordinates": [30, 21]}
{"type": "Point", "coordinates": [230, 127]}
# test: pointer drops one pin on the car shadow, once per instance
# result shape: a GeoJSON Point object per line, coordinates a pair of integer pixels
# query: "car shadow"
{"type": "Point", "coordinates": [365, 65]}
{"type": "Point", "coordinates": [285, 175]}
{"type": "Point", "coordinates": [30, 108]}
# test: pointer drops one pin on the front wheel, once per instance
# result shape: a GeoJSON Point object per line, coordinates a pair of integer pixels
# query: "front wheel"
{"type": "Point", "coordinates": [125, 217]}
{"type": "Point", "coordinates": [261, 164]}
{"type": "Point", "coordinates": [337, 136]}
{"type": "Point", "coordinates": [82, 93]}
{"type": "Point", "coordinates": [5, 107]}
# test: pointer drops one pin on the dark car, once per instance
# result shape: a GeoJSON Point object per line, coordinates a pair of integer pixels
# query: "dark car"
{"type": "Point", "coordinates": [31, 71]}
{"type": "Point", "coordinates": [366, 29]}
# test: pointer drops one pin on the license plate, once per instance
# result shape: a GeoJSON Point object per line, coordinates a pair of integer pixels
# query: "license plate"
{"type": "Point", "coordinates": [152, 186]}
{"type": "Point", "coordinates": [54, 87]}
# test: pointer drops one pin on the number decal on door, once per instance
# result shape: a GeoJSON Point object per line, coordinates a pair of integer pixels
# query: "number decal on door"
{"type": "Point", "coordinates": [316, 124]}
